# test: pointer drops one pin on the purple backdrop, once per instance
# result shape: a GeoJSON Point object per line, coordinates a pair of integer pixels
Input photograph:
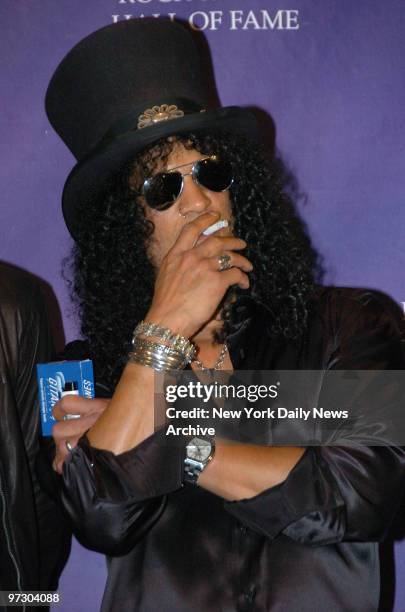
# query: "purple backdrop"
{"type": "Point", "coordinates": [330, 73]}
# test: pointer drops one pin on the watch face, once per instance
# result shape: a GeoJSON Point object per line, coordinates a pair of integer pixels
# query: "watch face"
{"type": "Point", "coordinates": [199, 449]}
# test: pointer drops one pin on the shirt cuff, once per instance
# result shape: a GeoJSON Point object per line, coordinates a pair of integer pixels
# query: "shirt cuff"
{"type": "Point", "coordinates": [153, 468]}
{"type": "Point", "coordinates": [307, 506]}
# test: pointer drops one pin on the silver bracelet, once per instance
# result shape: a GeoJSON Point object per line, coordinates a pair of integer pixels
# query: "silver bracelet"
{"type": "Point", "coordinates": [176, 341]}
{"type": "Point", "coordinates": [155, 362]}
{"type": "Point", "coordinates": [151, 362]}
{"type": "Point", "coordinates": [160, 357]}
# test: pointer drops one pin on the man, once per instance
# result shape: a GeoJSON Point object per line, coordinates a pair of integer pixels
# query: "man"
{"type": "Point", "coordinates": [34, 538]}
{"type": "Point", "coordinates": [203, 524]}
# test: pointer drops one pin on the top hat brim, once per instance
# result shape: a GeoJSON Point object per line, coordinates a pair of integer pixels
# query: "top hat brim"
{"type": "Point", "coordinates": [90, 176]}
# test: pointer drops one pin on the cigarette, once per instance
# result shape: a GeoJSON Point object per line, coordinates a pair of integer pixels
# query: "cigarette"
{"type": "Point", "coordinates": [215, 227]}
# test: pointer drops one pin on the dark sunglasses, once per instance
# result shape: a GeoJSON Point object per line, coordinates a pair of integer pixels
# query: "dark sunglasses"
{"type": "Point", "coordinates": [162, 190]}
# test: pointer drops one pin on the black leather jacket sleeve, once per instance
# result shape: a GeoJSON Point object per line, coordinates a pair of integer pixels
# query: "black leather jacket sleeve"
{"type": "Point", "coordinates": [33, 524]}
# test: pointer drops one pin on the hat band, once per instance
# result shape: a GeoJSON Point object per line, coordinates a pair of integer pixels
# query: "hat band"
{"type": "Point", "coordinates": [147, 115]}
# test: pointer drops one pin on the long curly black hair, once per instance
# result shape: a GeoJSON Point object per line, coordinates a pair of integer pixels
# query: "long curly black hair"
{"type": "Point", "coordinates": [113, 279]}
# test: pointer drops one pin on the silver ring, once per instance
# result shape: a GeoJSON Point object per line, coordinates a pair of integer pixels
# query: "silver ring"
{"type": "Point", "coordinates": [65, 417]}
{"type": "Point", "coordinates": [224, 262]}
{"type": "Point", "coordinates": [69, 446]}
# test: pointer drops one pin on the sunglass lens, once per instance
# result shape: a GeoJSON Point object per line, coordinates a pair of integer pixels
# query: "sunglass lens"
{"type": "Point", "coordinates": [162, 190]}
{"type": "Point", "coordinates": [214, 174]}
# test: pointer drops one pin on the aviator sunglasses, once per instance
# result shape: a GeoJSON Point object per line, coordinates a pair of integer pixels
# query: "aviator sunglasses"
{"type": "Point", "coordinates": [163, 189]}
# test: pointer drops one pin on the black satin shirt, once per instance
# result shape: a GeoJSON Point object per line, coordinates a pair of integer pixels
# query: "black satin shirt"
{"type": "Point", "coordinates": [309, 544]}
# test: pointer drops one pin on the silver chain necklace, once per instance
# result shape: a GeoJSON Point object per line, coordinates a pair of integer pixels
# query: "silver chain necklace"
{"type": "Point", "coordinates": [218, 364]}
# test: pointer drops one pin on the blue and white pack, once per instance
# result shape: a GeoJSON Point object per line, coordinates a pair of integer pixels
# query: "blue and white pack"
{"type": "Point", "coordinates": [58, 379]}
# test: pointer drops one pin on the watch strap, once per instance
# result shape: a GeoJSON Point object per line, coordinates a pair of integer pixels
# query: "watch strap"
{"type": "Point", "coordinates": [192, 470]}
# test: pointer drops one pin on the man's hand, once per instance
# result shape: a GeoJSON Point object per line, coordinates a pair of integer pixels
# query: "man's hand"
{"type": "Point", "coordinates": [189, 286]}
{"type": "Point", "coordinates": [71, 430]}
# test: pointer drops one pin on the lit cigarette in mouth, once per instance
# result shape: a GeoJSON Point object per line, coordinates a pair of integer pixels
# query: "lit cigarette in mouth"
{"type": "Point", "coordinates": [215, 227]}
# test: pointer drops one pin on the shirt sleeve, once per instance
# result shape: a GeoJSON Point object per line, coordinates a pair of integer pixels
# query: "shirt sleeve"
{"type": "Point", "coordinates": [113, 500]}
{"type": "Point", "coordinates": [120, 496]}
{"type": "Point", "coordinates": [340, 493]}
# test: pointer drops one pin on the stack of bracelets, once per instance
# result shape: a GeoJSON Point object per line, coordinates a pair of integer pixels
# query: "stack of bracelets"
{"type": "Point", "coordinates": [173, 352]}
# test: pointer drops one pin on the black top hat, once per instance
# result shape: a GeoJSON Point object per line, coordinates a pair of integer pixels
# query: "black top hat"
{"type": "Point", "coordinates": [120, 90]}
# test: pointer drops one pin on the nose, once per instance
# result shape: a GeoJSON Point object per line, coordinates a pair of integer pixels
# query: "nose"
{"type": "Point", "coordinates": [194, 198]}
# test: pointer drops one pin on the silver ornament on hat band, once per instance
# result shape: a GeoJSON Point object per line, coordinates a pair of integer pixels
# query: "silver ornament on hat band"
{"type": "Point", "coordinates": [224, 262]}
{"type": "Point", "coordinates": [159, 113]}
{"type": "Point", "coordinates": [156, 114]}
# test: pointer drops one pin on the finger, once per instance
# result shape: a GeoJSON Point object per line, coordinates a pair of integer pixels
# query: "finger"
{"type": "Point", "coordinates": [75, 428]}
{"type": "Point", "coordinates": [74, 404]}
{"type": "Point", "coordinates": [235, 276]}
{"type": "Point", "coordinates": [191, 231]}
{"type": "Point", "coordinates": [58, 466]}
{"type": "Point", "coordinates": [62, 452]}
{"type": "Point", "coordinates": [65, 447]}
{"type": "Point", "coordinates": [236, 260]}
{"type": "Point", "coordinates": [215, 245]}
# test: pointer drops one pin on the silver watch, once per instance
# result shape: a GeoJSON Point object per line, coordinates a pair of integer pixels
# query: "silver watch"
{"type": "Point", "coordinates": [199, 452]}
